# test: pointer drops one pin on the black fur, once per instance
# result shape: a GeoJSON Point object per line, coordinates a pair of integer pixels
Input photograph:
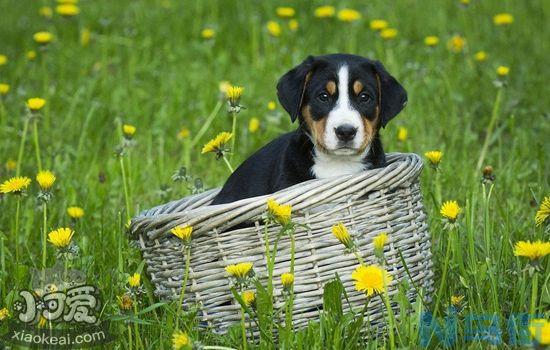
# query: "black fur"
{"type": "Point", "coordinates": [287, 160]}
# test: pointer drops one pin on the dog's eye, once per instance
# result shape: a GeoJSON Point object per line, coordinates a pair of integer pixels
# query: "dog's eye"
{"type": "Point", "coordinates": [364, 97]}
{"type": "Point", "coordinates": [323, 96]}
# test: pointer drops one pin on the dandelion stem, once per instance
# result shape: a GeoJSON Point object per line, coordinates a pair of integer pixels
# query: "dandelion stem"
{"type": "Point", "coordinates": [233, 132]}
{"type": "Point", "coordinates": [16, 238]}
{"type": "Point", "coordinates": [136, 330]}
{"type": "Point", "coordinates": [534, 291]}
{"type": "Point", "coordinates": [445, 269]}
{"type": "Point", "coordinates": [126, 197]}
{"type": "Point", "coordinates": [206, 124]}
{"type": "Point", "coordinates": [37, 145]}
{"type": "Point", "coordinates": [184, 284]}
{"type": "Point", "coordinates": [391, 322]}
{"type": "Point", "coordinates": [359, 257]}
{"type": "Point", "coordinates": [243, 328]}
{"type": "Point", "coordinates": [129, 337]}
{"type": "Point", "coordinates": [44, 234]}
{"type": "Point", "coordinates": [490, 127]}
{"type": "Point", "coordinates": [227, 163]}
{"type": "Point", "coordinates": [22, 146]}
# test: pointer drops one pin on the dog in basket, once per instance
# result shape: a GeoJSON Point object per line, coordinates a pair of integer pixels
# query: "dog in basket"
{"type": "Point", "coordinates": [341, 101]}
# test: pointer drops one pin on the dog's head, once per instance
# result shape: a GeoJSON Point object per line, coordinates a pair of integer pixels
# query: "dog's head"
{"type": "Point", "coordinates": [341, 101]}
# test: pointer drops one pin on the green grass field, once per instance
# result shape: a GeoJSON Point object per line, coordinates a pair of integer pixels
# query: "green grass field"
{"type": "Point", "coordinates": [145, 63]}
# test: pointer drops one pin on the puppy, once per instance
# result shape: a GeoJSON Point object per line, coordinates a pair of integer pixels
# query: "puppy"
{"type": "Point", "coordinates": [341, 101]}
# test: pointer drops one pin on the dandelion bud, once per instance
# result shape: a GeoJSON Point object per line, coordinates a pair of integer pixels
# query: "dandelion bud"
{"type": "Point", "coordinates": [341, 233]}
{"type": "Point", "coordinates": [287, 280]}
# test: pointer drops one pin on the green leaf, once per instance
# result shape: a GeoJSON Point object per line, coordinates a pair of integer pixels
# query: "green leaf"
{"type": "Point", "coordinates": [332, 298]}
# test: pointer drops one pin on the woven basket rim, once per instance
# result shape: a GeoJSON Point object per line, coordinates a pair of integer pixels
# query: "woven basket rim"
{"type": "Point", "coordinates": [193, 210]}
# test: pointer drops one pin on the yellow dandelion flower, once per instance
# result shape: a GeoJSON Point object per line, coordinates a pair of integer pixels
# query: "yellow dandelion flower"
{"type": "Point", "coordinates": [503, 71]}
{"type": "Point", "coordinates": [61, 237]}
{"type": "Point", "coordinates": [15, 185]}
{"type": "Point", "coordinates": [45, 11]}
{"type": "Point", "coordinates": [450, 210]}
{"type": "Point", "coordinates": [380, 241]}
{"type": "Point", "coordinates": [434, 157]}
{"type": "Point", "coordinates": [532, 250]}
{"type": "Point", "coordinates": [180, 340]}
{"type": "Point", "coordinates": [216, 144]}
{"type": "Point", "coordinates": [75, 212]}
{"type": "Point", "coordinates": [253, 125]}
{"type": "Point", "coordinates": [67, 10]}
{"type": "Point", "coordinates": [183, 133]}
{"type": "Point", "coordinates": [378, 24]}
{"type": "Point", "coordinates": [249, 297]}
{"type": "Point", "coordinates": [239, 270]}
{"type": "Point", "coordinates": [503, 19]}
{"type": "Point", "coordinates": [273, 28]}
{"type": "Point", "coordinates": [234, 94]}
{"type": "Point", "coordinates": [388, 33]}
{"type": "Point", "coordinates": [43, 38]}
{"type": "Point", "coordinates": [456, 300]}
{"type": "Point", "coordinates": [431, 40]}
{"type": "Point", "coordinates": [281, 213]}
{"type": "Point", "coordinates": [11, 165]}
{"type": "Point", "coordinates": [340, 231]}
{"type": "Point", "coordinates": [540, 330]}
{"type": "Point", "coordinates": [456, 44]}
{"type": "Point", "coordinates": [544, 211]}
{"type": "Point", "coordinates": [31, 55]}
{"type": "Point", "coordinates": [134, 280]}
{"type": "Point", "coordinates": [326, 11]}
{"type": "Point", "coordinates": [348, 15]}
{"type": "Point", "coordinates": [371, 279]}
{"type": "Point", "coordinates": [465, 2]}
{"type": "Point", "coordinates": [271, 105]}
{"type": "Point", "coordinates": [402, 134]}
{"type": "Point", "coordinates": [45, 179]}
{"type": "Point", "coordinates": [125, 302]}
{"type": "Point", "coordinates": [285, 12]}
{"type": "Point", "coordinates": [85, 36]}
{"type": "Point", "coordinates": [4, 88]}
{"type": "Point", "coordinates": [128, 130]}
{"type": "Point", "coordinates": [182, 232]}
{"type": "Point", "coordinates": [208, 33]}
{"type": "Point", "coordinates": [4, 313]}
{"type": "Point", "coordinates": [35, 103]}
{"type": "Point", "coordinates": [480, 56]}
{"type": "Point", "coordinates": [287, 280]}
{"type": "Point", "coordinates": [3, 59]}
{"type": "Point", "coordinates": [293, 25]}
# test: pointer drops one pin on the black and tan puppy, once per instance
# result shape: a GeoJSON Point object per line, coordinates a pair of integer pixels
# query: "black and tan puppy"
{"type": "Point", "coordinates": [341, 102]}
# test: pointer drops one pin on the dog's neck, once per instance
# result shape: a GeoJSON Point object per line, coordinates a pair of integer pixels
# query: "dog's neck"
{"type": "Point", "coordinates": [327, 165]}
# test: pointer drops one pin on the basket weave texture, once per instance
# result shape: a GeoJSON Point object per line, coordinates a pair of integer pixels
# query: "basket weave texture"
{"type": "Point", "coordinates": [381, 200]}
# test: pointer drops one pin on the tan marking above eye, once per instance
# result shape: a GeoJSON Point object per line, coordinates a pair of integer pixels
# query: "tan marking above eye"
{"type": "Point", "coordinates": [357, 87]}
{"type": "Point", "coordinates": [331, 87]}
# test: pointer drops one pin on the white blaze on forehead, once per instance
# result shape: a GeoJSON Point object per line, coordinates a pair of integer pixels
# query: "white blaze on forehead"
{"type": "Point", "coordinates": [343, 113]}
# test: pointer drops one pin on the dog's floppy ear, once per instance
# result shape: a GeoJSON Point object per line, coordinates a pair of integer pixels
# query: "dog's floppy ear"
{"type": "Point", "coordinates": [392, 95]}
{"type": "Point", "coordinates": [291, 87]}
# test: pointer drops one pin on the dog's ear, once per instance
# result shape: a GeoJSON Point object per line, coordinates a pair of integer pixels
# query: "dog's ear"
{"type": "Point", "coordinates": [393, 97]}
{"type": "Point", "coordinates": [291, 87]}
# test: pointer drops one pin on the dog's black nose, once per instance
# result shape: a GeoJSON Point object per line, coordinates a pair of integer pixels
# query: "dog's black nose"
{"type": "Point", "coordinates": [345, 132]}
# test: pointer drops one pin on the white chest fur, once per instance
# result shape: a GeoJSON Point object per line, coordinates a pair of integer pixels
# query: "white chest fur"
{"type": "Point", "coordinates": [327, 166]}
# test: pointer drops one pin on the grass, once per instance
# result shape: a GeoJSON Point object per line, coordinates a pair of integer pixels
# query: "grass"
{"type": "Point", "coordinates": [147, 65]}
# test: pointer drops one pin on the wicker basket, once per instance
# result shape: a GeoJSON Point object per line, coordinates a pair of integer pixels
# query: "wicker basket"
{"type": "Point", "coordinates": [380, 200]}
